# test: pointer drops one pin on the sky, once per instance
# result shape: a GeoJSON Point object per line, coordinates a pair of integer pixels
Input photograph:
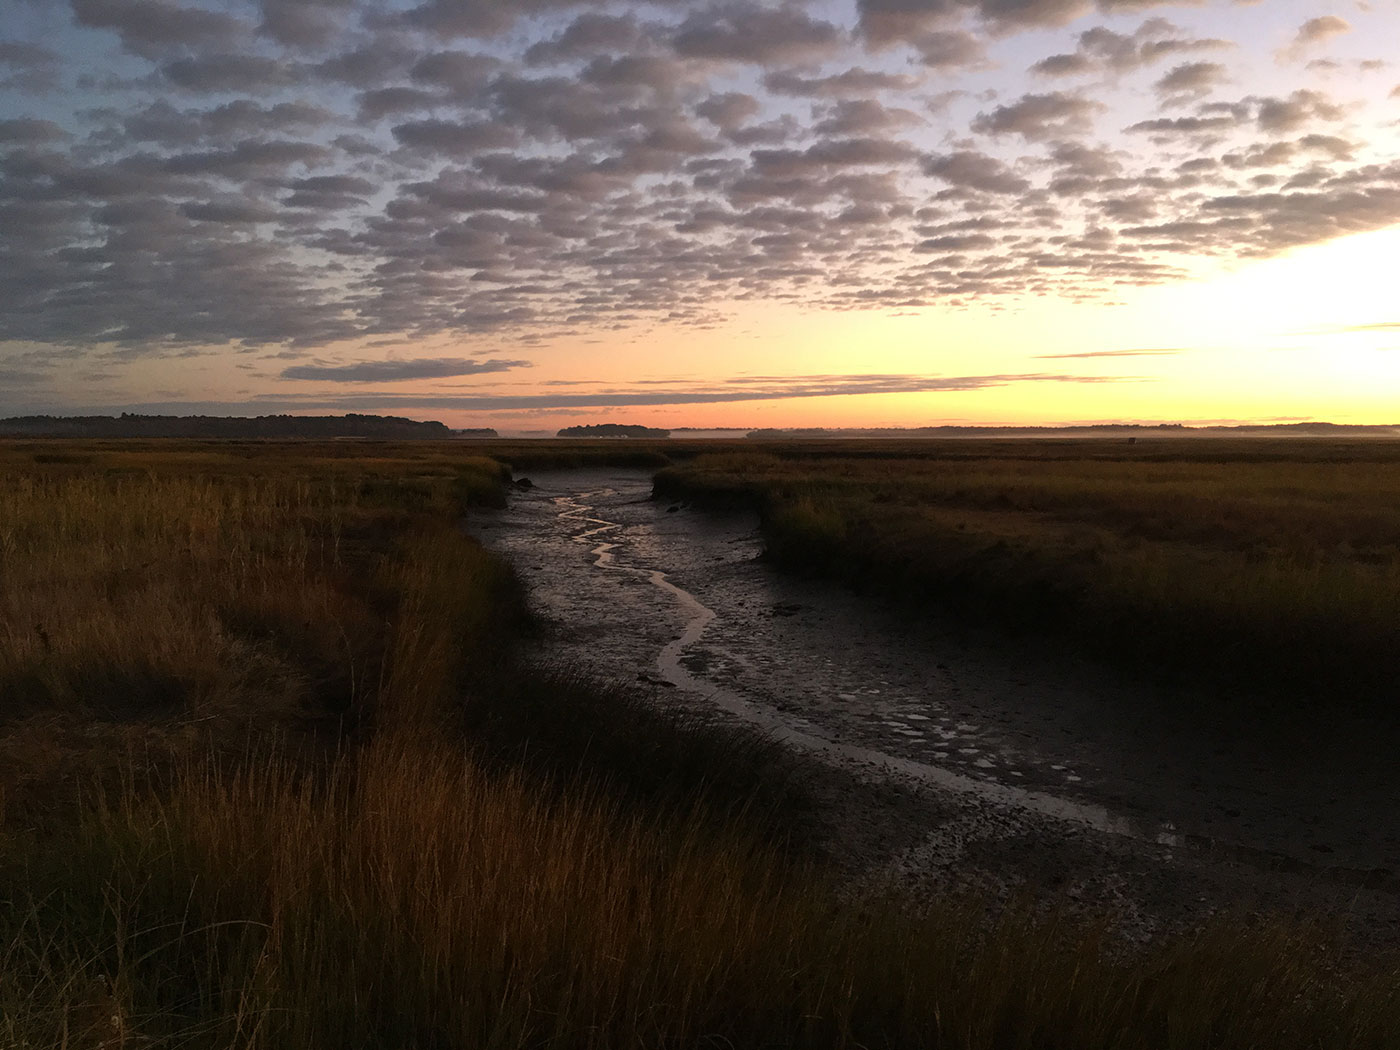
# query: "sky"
{"type": "Point", "coordinates": [528, 214]}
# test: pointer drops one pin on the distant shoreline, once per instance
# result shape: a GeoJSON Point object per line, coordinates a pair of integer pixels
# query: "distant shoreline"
{"type": "Point", "coordinates": [128, 425]}
{"type": "Point", "coordinates": [355, 425]}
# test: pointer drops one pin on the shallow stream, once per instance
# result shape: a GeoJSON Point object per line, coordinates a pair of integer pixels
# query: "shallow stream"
{"type": "Point", "coordinates": [680, 600]}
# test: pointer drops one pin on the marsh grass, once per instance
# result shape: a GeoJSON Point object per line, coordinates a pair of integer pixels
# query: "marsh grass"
{"type": "Point", "coordinates": [149, 600]}
{"type": "Point", "coordinates": [574, 454]}
{"type": "Point", "coordinates": [1232, 562]}
{"type": "Point", "coordinates": [276, 782]}
{"type": "Point", "coordinates": [402, 897]}
{"type": "Point", "coordinates": [563, 728]}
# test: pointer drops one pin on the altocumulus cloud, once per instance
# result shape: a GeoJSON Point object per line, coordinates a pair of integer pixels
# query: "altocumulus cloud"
{"type": "Point", "coordinates": [392, 371]}
{"type": "Point", "coordinates": [206, 173]}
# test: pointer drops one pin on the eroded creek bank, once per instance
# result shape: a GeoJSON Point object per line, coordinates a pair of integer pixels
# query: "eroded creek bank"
{"type": "Point", "coordinates": [944, 756]}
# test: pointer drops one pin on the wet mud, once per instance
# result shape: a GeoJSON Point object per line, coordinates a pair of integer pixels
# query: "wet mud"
{"type": "Point", "coordinates": [946, 756]}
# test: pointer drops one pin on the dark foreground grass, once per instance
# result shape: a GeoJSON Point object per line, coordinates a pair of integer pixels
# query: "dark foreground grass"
{"type": "Point", "coordinates": [402, 898]}
{"type": "Point", "coordinates": [564, 728]}
{"type": "Point", "coordinates": [276, 781]}
{"type": "Point", "coordinates": [1262, 565]}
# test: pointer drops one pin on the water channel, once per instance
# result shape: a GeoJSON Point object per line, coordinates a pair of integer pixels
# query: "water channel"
{"type": "Point", "coordinates": [679, 601]}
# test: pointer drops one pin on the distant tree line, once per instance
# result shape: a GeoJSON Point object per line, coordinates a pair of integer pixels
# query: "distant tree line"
{"type": "Point", "coordinates": [282, 426]}
{"type": "Point", "coordinates": [613, 430]}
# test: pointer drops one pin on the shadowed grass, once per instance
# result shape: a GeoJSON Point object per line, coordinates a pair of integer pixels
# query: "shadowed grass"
{"type": "Point", "coordinates": [400, 897]}
{"type": "Point", "coordinates": [565, 728]}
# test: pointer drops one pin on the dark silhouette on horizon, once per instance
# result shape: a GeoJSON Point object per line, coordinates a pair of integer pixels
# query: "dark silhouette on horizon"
{"type": "Point", "coordinates": [131, 425]}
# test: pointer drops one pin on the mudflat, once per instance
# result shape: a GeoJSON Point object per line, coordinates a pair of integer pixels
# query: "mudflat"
{"type": "Point", "coordinates": [952, 754]}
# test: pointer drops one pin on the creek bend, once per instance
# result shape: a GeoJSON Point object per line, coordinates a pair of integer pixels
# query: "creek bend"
{"type": "Point", "coordinates": [644, 591]}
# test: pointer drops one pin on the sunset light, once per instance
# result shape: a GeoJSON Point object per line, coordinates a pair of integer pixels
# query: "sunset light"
{"type": "Point", "coordinates": [698, 524]}
{"type": "Point", "coordinates": [834, 212]}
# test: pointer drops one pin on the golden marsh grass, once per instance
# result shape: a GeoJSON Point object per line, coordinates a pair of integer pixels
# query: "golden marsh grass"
{"type": "Point", "coordinates": [271, 782]}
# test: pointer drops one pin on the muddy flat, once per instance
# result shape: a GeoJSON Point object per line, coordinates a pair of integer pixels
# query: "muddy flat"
{"type": "Point", "coordinates": [949, 755]}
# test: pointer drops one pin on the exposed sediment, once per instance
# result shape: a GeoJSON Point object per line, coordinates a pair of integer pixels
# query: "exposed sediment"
{"type": "Point", "coordinates": [942, 756]}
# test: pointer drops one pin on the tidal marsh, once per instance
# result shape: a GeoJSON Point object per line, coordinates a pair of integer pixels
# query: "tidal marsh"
{"type": "Point", "coordinates": [273, 779]}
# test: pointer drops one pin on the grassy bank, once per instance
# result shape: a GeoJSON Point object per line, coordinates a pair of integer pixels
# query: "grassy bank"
{"type": "Point", "coordinates": [273, 778]}
{"type": "Point", "coordinates": [1268, 564]}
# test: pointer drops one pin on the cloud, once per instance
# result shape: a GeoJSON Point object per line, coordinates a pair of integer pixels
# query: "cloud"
{"type": "Point", "coordinates": [288, 174]}
{"type": "Point", "coordinates": [29, 131]}
{"type": "Point", "coordinates": [975, 171]}
{"type": "Point", "coordinates": [395, 371]}
{"type": "Point", "coordinates": [1375, 326]}
{"type": "Point", "coordinates": [27, 67]}
{"type": "Point", "coordinates": [375, 63]}
{"type": "Point", "coordinates": [887, 21]}
{"type": "Point", "coordinates": [1204, 123]}
{"type": "Point", "coordinates": [249, 159]}
{"type": "Point", "coordinates": [728, 110]}
{"type": "Point", "coordinates": [1314, 31]}
{"type": "Point", "coordinates": [1295, 111]}
{"type": "Point", "coordinates": [852, 82]}
{"type": "Point", "coordinates": [452, 138]}
{"type": "Point", "coordinates": [241, 119]}
{"type": "Point", "coordinates": [16, 377]}
{"type": "Point", "coordinates": [381, 102]}
{"type": "Point", "coordinates": [1189, 82]}
{"type": "Point", "coordinates": [476, 18]}
{"type": "Point", "coordinates": [590, 34]}
{"type": "Point", "coordinates": [306, 24]}
{"type": "Point", "coordinates": [229, 211]}
{"type": "Point", "coordinates": [459, 72]}
{"type": "Point", "coordinates": [743, 33]}
{"type": "Point", "coordinates": [151, 28]}
{"type": "Point", "coordinates": [853, 117]}
{"type": "Point", "coordinates": [1102, 50]}
{"type": "Point", "coordinates": [1039, 117]}
{"type": "Point", "coordinates": [1164, 352]}
{"type": "Point", "coordinates": [774, 388]}
{"type": "Point", "coordinates": [226, 72]}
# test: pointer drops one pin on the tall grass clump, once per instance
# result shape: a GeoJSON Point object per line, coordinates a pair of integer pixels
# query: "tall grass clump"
{"type": "Point", "coordinates": [146, 609]}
